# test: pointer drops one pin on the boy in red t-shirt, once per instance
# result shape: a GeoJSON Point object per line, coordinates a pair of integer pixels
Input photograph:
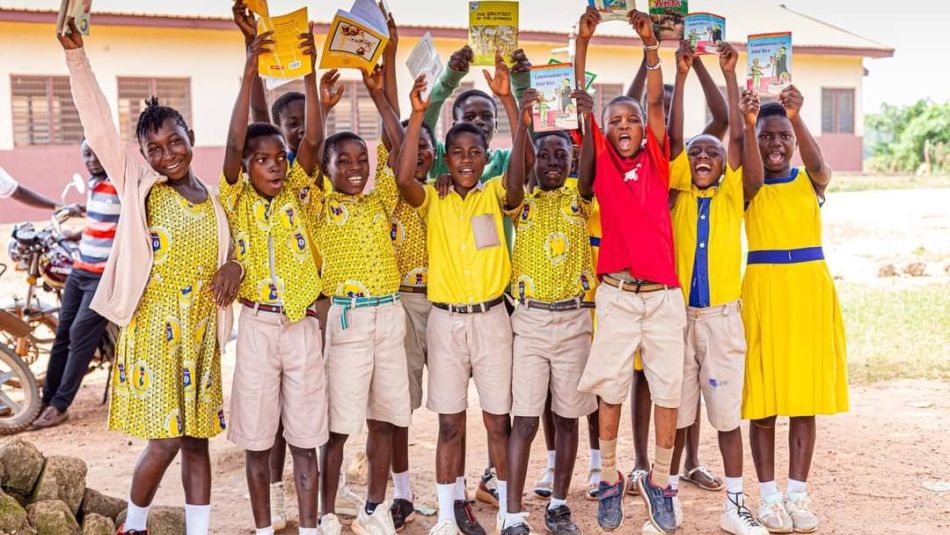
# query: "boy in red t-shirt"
{"type": "Point", "coordinates": [639, 304]}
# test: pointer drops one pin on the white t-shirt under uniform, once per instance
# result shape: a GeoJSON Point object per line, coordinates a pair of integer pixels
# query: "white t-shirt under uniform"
{"type": "Point", "coordinates": [8, 185]}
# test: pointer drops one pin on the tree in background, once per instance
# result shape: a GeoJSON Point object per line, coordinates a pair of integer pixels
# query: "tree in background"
{"type": "Point", "coordinates": [911, 139]}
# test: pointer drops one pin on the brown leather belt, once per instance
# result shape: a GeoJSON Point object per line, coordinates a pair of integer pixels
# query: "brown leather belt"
{"type": "Point", "coordinates": [632, 286]}
{"type": "Point", "coordinates": [413, 289]}
{"type": "Point", "coordinates": [553, 306]}
{"type": "Point", "coordinates": [470, 309]}
{"type": "Point", "coordinates": [274, 309]}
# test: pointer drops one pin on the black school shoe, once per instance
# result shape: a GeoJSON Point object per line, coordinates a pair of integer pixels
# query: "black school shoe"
{"type": "Point", "coordinates": [558, 521]}
{"type": "Point", "coordinates": [403, 512]}
{"type": "Point", "coordinates": [517, 529]}
{"type": "Point", "coordinates": [465, 519]}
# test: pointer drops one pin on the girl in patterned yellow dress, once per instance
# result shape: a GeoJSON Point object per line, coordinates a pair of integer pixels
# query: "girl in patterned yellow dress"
{"type": "Point", "coordinates": [168, 270]}
{"type": "Point", "coordinates": [796, 362]}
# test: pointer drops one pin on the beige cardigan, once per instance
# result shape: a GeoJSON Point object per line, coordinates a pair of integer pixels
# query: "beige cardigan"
{"type": "Point", "coordinates": [130, 263]}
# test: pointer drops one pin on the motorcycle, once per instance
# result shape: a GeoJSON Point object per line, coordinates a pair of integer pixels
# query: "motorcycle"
{"type": "Point", "coordinates": [28, 325]}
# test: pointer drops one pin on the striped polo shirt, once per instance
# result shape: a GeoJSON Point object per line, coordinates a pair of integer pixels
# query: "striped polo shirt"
{"type": "Point", "coordinates": [102, 214]}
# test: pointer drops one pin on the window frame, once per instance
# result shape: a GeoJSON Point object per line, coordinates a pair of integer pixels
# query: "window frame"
{"type": "Point", "coordinates": [836, 94]}
{"type": "Point", "coordinates": [127, 127]}
{"type": "Point", "coordinates": [24, 128]}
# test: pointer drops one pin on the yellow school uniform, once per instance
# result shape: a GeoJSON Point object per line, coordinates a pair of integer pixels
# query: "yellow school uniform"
{"type": "Point", "coordinates": [167, 379]}
{"type": "Point", "coordinates": [796, 363]}
{"type": "Point", "coordinates": [551, 259]}
{"type": "Point", "coordinates": [468, 258]}
{"type": "Point", "coordinates": [407, 231]}
{"type": "Point", "coordinates": [272, 243]}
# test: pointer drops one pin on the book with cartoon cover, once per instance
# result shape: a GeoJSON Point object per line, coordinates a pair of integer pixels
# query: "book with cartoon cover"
{"type": "Point", "coordinates": [769, 62]}
{"type": "Point", "coordinates": [612, 9]}
{"type": "Point", "coordinates": [669, 19]}
{"type": "Point", "coordinates": [424, 59]}
{"type": "Point", "coordinates": [285, 60]}
{"type": "Point", "coordinates": [79, 11]}
{"type": "Point", "coordinates": [492, 26]}
{"type": "Point", "coordinates": [589, 77]}
{"type": "Point", "coordinates": [555, 109]}
{"type": "Point", "coordinates": [356, 38]}
{"type": "Point", "coordinates": [705, 32]}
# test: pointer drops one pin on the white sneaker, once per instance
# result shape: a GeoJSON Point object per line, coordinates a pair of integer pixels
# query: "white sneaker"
{"type": "Point", "coordinates": [772, 514]}
{"type": "Point", "coordinates": [738, 519]}
{"type": "Point", "coordinates": [330, 525]}
{"type": "Point", "coordinates": [378, 523]}
{"type": "Point", "coordinates": [444, 527]}
{"type": "Point", "coordinates": [278, 511]}
{"type": "Point", "coordinates": [678, 511]}
{"type": "Point", "coordinates": [798, 506]}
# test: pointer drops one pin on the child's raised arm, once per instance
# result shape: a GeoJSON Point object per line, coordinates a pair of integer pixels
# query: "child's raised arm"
{"type": "Point", "coordinates": [656, 120]}
{"type": "Point", "coordinates": [753, 172]}
{"type": "Point", "coordinates": [244, 20]}
{"type": "Point", "coordinates": [684, 62]}
{"type": "Point", "coordinates": [519, 165]}
{"type": "Point", "coordinates": [500, 85]}
{"type": "Point", "coordinates": [237, 131]}
{"type": "Point", "coordinates": [635, 91]}
{"type": "Point", "coordinates": [313, 115]}
{"type": "Point", "coordinates": [819, 172]}
{"type": "Point", "coordinates": [714, 100]}
{"type": "Point", "coordinates": [375, 84]}
{"type": "Point", "coordinates": [585, 167]}
{"type": "Point", "coordinates": [330, 92]}
{"type": "Point", "coordinates": [585, 31]}
{"type": "Point", "coordinates": [728, 58]}
{"type": "Point", "coordinates": [448, 82]}
{"type": "Point", "coordinates": [391, 89]}
{"type": "Point", "coordinates": [409, 187]}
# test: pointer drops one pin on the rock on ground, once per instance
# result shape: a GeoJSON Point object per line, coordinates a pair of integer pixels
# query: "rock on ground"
{"type": "Point", "coordinates": [162, 520]}
{"type": "Point", "coordinates": [12, 516]}
{"type": "Point", "coordinates": [94, 524]}
{"type": "Point", "coordinates": [52, 517]}
{"type": "Point", "coordinates": [22, 465]}
{"type": "Point", "coordinates": [64, 479]}
{"type": "Point", "coordinates": [94, 502]}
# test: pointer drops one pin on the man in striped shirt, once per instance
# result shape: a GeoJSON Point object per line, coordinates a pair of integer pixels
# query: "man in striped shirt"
{"type": "Point", "coordinates": [80, 328]}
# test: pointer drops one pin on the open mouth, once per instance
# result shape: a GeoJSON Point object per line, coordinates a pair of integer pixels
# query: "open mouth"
{"type": "Point", "coordinates": [703, 168]}
{"type": "Point", "coordinates": [356, 180]}
{"type": "Point", "coordinates": [173, 168]}
{"type": "Point", "coordinates": [625, 142]}
{"type": "Point", "coordinates": [776, 158]}
{"type": "Point", "coordinates": [466, 172]}
{"type": "Point", "coordinates": [275, 182]}
{"type": "Point", "coordinates": [552, 174]}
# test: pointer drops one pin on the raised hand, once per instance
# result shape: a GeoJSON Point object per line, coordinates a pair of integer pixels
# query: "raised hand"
{"type": "Point", "coordinates": [375, 81]}
{"type": "Point", "coordinates": [528, 99]}
{"type": "Point", "coordinates": [684, 57]}
{"type": "Point", "coordinates": [460, 60]}
{"type": "Point", "coordinates": [588, 23]}
{"type": "Point", "coordinates": [519, 62]}
{"type": "Point", "coordinates": [330, 95]}
{"type": "Point", "coordinates": [259, 45]}
{"type": "Point", "coordinates": [308, 46]}
{"type": "Point", "coordinates": [500, 83]}
{"type": "Point", "coordinates": [415, 95]}
{"type": "Point", "coordinates": [792, 100]}
{"type": "Point", "coordinates": [728, 57]}
{"type": "Point", "coordinates": [643, 25]}
{"type": "Point", "coordinates": [73, 40]}
{"type": "Point", "coordinates": [585, 102]}
{"type": "Point", "coordinates": [749, 108]}
{"type": "Point", "coordinates": [244, 20]}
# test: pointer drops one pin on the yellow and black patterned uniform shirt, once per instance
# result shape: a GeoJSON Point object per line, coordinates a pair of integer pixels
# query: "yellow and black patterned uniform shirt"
{"type": "Point", "coordinates": [271, 241]}
{"type": "Point", "coordinates": [551, 260]}
{"type": "Point", "coordinates": [407, 229]}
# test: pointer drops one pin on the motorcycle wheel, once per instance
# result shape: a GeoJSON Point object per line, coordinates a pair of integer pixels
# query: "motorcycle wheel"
{"type": "Point", "coordinates": [19, 393]}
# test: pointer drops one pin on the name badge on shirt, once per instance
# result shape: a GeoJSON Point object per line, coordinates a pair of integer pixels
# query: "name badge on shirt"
{"type": "Point", "coordinates": [484, 231]}
{"type": "Point", "coordinates": [632, 174]}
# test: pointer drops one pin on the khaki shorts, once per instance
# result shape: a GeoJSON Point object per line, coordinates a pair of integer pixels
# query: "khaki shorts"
{"type": "Point", "coordinates": [714, 365]}
{"type": "Point", "coordinates": [469, 345]}
{"type": "Point", "coordinates": [652, 322]}
{"type": "Point", "coordinates": [366, 367]}
{"type": "Point", "coordinates": [278, 377]}
{"type": "Point", "coordinates": [549, 352]}
{"type": "Point", "coordinates": [417, 307]}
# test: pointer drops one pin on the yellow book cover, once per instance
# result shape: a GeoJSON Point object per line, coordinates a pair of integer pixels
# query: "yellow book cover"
{"type": "Point", "coordinates": [286, 60]}
{"type": "Point", "coordinates": [492, 26]}
{"type": "Point", "coordinates": [356, 38]}
{"type": "Point", "coordinates": [258, 6]}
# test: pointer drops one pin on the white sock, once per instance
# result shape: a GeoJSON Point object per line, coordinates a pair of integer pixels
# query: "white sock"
{"type": "Point", "coordinates": [308, 531]}
{"type": "Point", "coordinates": [502, 497]}
{"type": "Point", "coordinates": [674, 481]}
{"type": "Point", "coordinates": [137, 517]}
{"type": "Point", "coordinates": [555, 503]}
{"type": "Point", "coordinates": [402, 491]}
{"type": "Point", "coordinates": [795, 485]}
{"type": "Point", "coordinates": [595, 459]}
{"type": "Point", "coordinates": [197, 519]}
{"type": "Point", "coordinates": [767, 488]}
{"type": "Point", "coordinates": [551, 456]}
{"type": "Point", "coordinates": [459, 488]}
{"type": "Point", "coordinates": [446, 494]}
{"type": "Point", "coordinates": [734, 485]}
{"type": "Point", "coordinates": [269, 530]}
{"type": "Point", "coordinates": [511, 519]}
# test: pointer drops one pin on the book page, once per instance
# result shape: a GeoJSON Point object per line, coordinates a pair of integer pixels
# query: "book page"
{"type": "Point", "coordinates": [424, 59]}
{"type": "Point", "coordinates": [368, 12]}
{"type": "Point", "coordinates": [258, 6]}
{"type": "Point", "coordinates": [286, 60]}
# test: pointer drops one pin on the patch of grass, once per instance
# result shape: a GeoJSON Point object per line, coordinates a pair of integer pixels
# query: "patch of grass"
{"type": "Point", "coordinates": [867, 182]}
{"type": "Point", "coordinates": [897, 333]}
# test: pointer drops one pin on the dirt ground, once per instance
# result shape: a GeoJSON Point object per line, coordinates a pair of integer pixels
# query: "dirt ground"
{"type": "Point", "coordinates": [871, 469]}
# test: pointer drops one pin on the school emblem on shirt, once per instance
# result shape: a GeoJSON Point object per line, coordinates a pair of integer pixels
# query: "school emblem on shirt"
{"type": "Point", "coordinates": [241, 245]}
{"type": "Point", "coordinates": [192, 209]}
{"type": "Point", "coordinates": [585, 281]}
{"type": "Point", "coordinates": [161, 240]}
{"type": "Point", "coordinates": [632, 174]}
{"type": "Point", "coordinates": [524, 286]}
{"type": "Point", "coordinates": [199, 335]}
{"type": "Point", "coordinates": [352, 288]}
{"type": "Point", "coordinates": [141, 379]}
{"type": "Point", "coordinates": [287, 216]}
{"type": "Point", "coordinates": [120, 380]}
{"type": "Point", "coordinates": [189, 381]}
{"type": "Point", "coordinates": [337, 212]}
{"type": "Point", "coordinates": [172, 334]}
{"type": "Point", "coordinates": [186, 296]}
{"type": "Point", "coordinates": [261, 210]}
{"type": "Point", "coordinates": [526, 218]}
{"type": "Point", "coordinates": [269, 290]}
{"type": "Point", "coordinates": [571, 210]}
{"type": "Point", "coordinates": [297, 242]}
{"type": "Point", "coordinates": [221, 423]}
{"type": "Point", "coordinates": [173, 423]}
{"type": "Point", "coordinates": [556, 247]}
{"type": "Point", "coordinates": [416, 277]}
{"type": "Point", "coordinates": [397, 232]}
{"type": "Point", "coordinates": [304, 196]}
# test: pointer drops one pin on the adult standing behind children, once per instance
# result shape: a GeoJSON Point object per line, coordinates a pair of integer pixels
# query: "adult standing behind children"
{"type": "Point", "coordinates": [168, 270]}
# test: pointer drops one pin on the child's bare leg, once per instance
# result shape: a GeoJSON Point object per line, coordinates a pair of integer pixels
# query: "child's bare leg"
{"type": "Point", "coordinates": [449, 450]}
{"type": "Point", "coordinates": [640, 417]}
{"type": "Point", "coordinates": [801, 446]}
{"type": "Point", "coordinates": [196, 481]}
{"type": "Point", "coordinates": [609, 424]}
{"type": "Point", "coordinates": [400, 450]}
{"type": "Point", "coordinates": [150, 468]}
{"type": "Point", "coordinates": [678, 446]}
{"type": "Point", "coordinates": [730, 445]}
{"type": "Point", "coordinates": [257, 471]}
{"type": "Point", "coordinates": [523, 432]}
{"type": "Point", "coordinates": [762, 442]}
{"type": "Point", "coordinates": [692, 443]}
{"type": "Point", "coordinates": [278, 454]}
{"type": "Point", "coordinates": [499, 429]}
{"type": "Point", "coordinates": [379, 444]}
{"type": "Point", "coordinates": [332, 462]}
{"type": "Point", "coordinates": [547, 425]}
{"type": "Point", "coordinates": [565, 456]}
{"type": "Point", "coordinates": [307, 482]}
{"type": "Point", "coordinates": [593, 430]}
{"type": "Point", "coordinates": [665, 432]}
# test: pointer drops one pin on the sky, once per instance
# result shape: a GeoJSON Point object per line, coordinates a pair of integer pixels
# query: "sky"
{"type": "Point", "coordinates": [916, 33]}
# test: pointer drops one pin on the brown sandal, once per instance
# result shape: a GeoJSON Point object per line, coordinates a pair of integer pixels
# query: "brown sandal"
{"type": "Point", "coordinates": [706, 480]}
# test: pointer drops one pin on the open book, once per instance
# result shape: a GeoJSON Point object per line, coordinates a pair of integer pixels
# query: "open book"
{"type": "Point", "coordinates": [769, 67]}
{"type": "Point", "coordinates": [613, 9]}
{"type": "Point", "coordinates": [492, 26]}
{"type": "Point", "coordinates": [79, 10]}
{"type": "Point", "coordinates": [356, 38]}
{"type": "Point", "coordinates": [705, 32]}
{"type": "Point", "coordinates": [555, 109]}
{"type": "Point", "coordinates": [424, 59]}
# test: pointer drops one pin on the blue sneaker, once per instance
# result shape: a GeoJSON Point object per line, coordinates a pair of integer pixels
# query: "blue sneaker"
{"type": "Point", "coordinates": [659, 502]}
{"type": "Point", "coordinates": [610, 504]}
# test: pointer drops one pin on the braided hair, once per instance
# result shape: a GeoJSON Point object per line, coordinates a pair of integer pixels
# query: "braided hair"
{"type": "Point", "coordinates": [154, 116]}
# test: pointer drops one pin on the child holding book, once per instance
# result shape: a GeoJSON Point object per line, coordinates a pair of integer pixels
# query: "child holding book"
{"type": "Point", "coordinates": [639, 304]}
{"type": "Point", "coordinates": [469, 333]}
{"type": "Point", "coordinates": [707, 220]}
{"type": "Point", "coordinates": [167, 284]}
{"type": "Point", "coordinates": [279, 374]}
{"type": "Point", "coordinates": [796, 364]}
{"type": "Point", "coordinates": [552, 330]}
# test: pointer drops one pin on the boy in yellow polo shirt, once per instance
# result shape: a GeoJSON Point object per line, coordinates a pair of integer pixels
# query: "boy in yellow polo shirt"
{"type": "Point", "coordinates": [279, 373]}
{"type": "Point", "coordinates": [707, 218]}
{"type": "Point", "coordinates": [469, 330]}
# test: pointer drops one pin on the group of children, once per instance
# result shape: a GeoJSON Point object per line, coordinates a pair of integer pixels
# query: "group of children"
{"type": "Point", "coordinates": [346, 295]}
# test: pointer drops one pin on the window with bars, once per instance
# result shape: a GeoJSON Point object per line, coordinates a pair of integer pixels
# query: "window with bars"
{"type": "Point", "coordinates": [603, 94]}
{"type": "Point", "coordinates": [837, 111]}
{"type": "Point", "coordinates": [43, 111]}
{"type": "Point", "coordinates": [355, 112]}
{"type": "Point", "coordinates": [133, 91]}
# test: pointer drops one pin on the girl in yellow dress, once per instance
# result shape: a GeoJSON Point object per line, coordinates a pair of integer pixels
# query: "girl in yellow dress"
{"type": "Point", "coordinates": [796, 362]}
{"type": "Point", "coordinates": [166, 285]}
